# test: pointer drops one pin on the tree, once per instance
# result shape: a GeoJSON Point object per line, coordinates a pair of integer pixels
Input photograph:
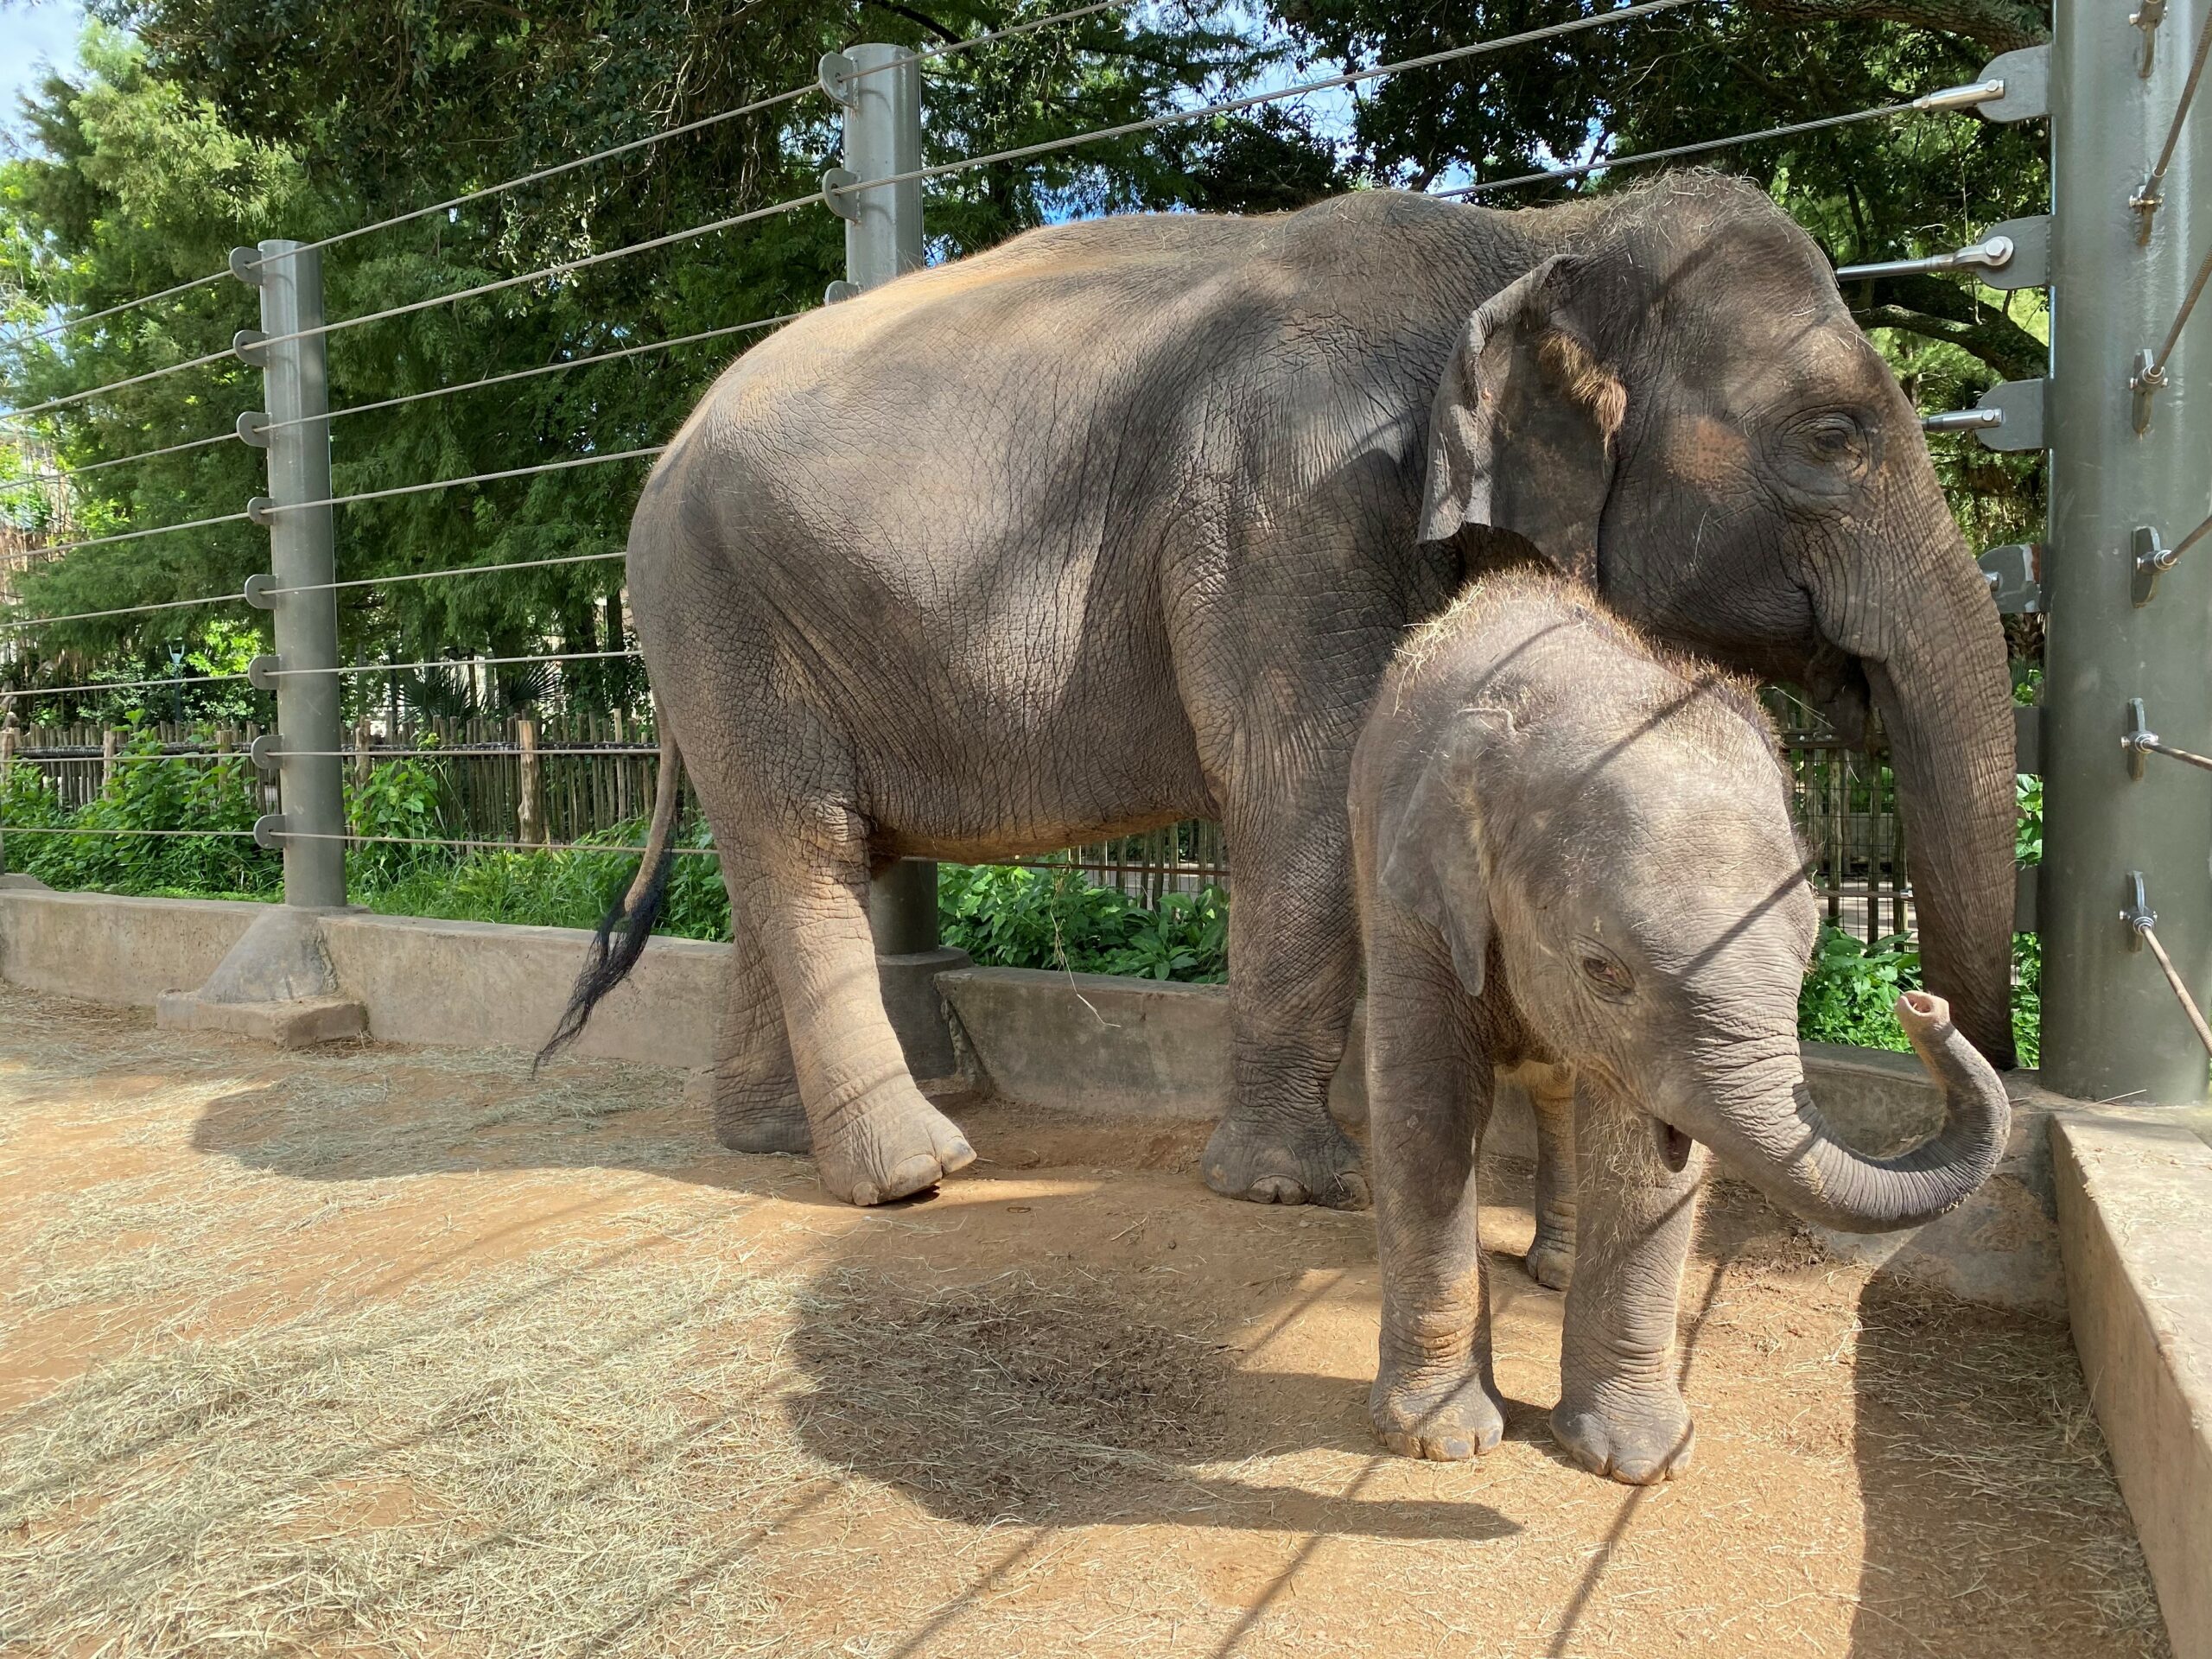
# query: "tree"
{"type": "Point", "coordinates": [361, 116]}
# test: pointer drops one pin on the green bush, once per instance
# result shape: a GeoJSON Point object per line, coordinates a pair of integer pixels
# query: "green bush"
{"type": "Point", "coordinates": [1007, 916]}
{"type": "Point", "coordinates": [147, 794]}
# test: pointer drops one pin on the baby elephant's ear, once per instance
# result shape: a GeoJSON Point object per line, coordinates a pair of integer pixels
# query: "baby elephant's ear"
{"type": "Point", "coordinates": [1432, 866]}
{"type": "Point", "coordinates": [1520, 433]}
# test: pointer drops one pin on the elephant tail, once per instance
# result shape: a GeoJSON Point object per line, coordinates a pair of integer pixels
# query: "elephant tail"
{"type": "Point", "coordinates": [628, 924]}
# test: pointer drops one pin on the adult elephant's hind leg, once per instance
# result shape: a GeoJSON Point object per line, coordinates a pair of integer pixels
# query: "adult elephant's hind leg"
{"type": "Point", "coordinates": [1294, 966]}
{"type": "Point", "coordinates": [755, 1086]}
{"type": "Point", "coordinates": [874, 1137]}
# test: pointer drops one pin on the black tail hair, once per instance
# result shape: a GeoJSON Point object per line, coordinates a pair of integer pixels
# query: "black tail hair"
{"type": "Point", "coordinates": [627, 927]}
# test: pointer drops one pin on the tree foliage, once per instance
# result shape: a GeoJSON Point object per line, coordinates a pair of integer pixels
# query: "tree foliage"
{"type": "Point", "coordinates": [197, 125]}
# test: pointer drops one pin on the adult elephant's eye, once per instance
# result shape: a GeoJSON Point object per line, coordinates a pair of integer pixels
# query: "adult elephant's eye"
{"type": "Point", "coordinates": [1834, 439]}
{"type": "Point", "coordinates": [1607, 974]}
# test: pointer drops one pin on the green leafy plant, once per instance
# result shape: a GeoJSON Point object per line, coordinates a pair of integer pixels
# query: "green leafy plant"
{"type": "Point", "coordinates": [1008, 916]}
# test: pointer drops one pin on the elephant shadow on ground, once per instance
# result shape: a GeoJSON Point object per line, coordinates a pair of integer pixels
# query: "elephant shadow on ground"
{"type": "Point", "coordinates": [1049, 1401]}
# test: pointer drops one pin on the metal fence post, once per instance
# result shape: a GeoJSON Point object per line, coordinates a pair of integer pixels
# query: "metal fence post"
{"type": "Point", "coordinates": [881, 88]}
{"type": "Point", "coordinates": [296, 382]}
{"type": "Point", "coordinates": [2119, 630]}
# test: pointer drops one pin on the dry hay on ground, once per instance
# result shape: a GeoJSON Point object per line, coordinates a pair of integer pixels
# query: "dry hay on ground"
{"type": "Point", "coordinates": [367, 1352]}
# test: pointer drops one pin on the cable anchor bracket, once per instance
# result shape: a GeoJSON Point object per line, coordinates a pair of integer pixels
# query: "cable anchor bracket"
{"type": "Point", "coordinates": [2147, 376]}
{"type": "Point", "coordinates": [245, 265]}
{"type": "Point", "coordinates": [837, 183]}
{"type": "Point", "coordinates": [2152, 559]}
{"type": "Point", "coordinates": [269, 832]}
{"type": "Point", "coordinates": [2139, 915]}
{"type": "Point", "coordinates": [2147, 17]}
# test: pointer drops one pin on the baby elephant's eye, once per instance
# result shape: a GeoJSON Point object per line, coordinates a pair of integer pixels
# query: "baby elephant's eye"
{"type": "Point", "coordinates": [1607, 974]}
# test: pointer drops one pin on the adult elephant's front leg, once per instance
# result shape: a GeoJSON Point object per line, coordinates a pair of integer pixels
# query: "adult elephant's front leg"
{"type": "Point", "coordinates": [1621, 1411]}
{"type": "Point", "coordinates": [1294, 969]}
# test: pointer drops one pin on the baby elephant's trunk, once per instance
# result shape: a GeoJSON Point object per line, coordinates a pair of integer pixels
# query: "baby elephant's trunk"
{"type": "Point", "coordinates": [1766, 1125]}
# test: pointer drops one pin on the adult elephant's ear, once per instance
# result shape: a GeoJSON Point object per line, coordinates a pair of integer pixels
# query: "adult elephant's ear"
{"type": "Point", "coordinates": [1520, 437]}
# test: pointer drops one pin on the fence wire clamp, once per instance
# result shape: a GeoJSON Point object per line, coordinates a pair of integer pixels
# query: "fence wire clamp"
{"type": "Point", "coordinates": [1993, 253]}
{"type": "Point", "coordinates": [836, 73]}
{"type": "Point", "coordinates": [246, 346]}
{"type": "Point", "coordinates": [2152, 560]}
{"type": "Point", "coordinates": [245, 265]}
{"type": "Point", "coordinates": [2014, 572]}
{"type": "Point", "coordinates": [2147, 376]}
{"type": "Point", "coordinates": [264, 752]}
{"type": "Point", "coordinates": [836, 184]}
{"type": "Point", "coordinates": [2014, 86]}
{"type": "Point", "coordinates": [253, 428]}
{"type": "Point", "coordinates": [261, 673]}
{"type": "Point", "coordinates": [259, 509]}
{"type": "Point", "coordinates": [2139, 741]}
{"type": "Point", "coordinates": [839, 291]}
{"type": "Point", "coordinates": [2147, 17]}
{"type": "Point", "coordinates": [257, 594]}
{"type": "Point", "coordinates": [2149, 197]}
{"type": "Point", "coordinates": [2139, 915]}
{"type": "Point", "coordinates": [269, 831]}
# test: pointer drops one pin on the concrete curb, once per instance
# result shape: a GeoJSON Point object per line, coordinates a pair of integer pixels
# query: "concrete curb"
{"type": "Point", "coordinates": [2134, 1190]}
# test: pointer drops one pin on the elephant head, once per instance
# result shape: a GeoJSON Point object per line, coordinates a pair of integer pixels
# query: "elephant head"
{"type": "Point", "coordinates": [1630, 886]}
{"type": "Point", "coordinates": [1677, 408]}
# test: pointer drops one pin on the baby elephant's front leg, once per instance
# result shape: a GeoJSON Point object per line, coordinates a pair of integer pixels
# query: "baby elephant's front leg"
{"type": "Point", "coordinates": [1434, 1394]}
{"type": "Point", "coordinates": [1621, 1411]}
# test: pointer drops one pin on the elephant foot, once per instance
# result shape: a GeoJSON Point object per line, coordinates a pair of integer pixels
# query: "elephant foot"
{"type": "Point", "coordinates": [1445, 1420]}
{"type": "Point", "coordinates": [752, 1125]}
{"type": "Point", "coordinates": [1550, 1261]}
{"type": "Point", "coordinates": [1246, 1161]}
{"type": "Point", "coordinates": [892, 1146]}
{"type": "Point", "coordinates": [1640, 1439]}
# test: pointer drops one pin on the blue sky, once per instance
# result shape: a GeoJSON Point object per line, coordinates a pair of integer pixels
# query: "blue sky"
{"type": "Point", "coordinates": [30, 36]}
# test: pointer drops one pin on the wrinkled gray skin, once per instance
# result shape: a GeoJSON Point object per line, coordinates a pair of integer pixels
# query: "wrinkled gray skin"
{"type": "Point", "coordinates": [1573, 855]}
{"type": "Point", "coordinates": [1119, 523]}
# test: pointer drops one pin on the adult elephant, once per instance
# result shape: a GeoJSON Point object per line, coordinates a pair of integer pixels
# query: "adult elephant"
{"type": "Point", "coordinates": [1118, 523]}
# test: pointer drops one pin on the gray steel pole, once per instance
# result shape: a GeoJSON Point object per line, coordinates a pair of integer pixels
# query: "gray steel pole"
{"type": "Point", "coordinates": [298, 387]}
{"type": "Point", "coordinates": [2111, 1025]}
{"type": "Point", "coordinates": [883, 238]}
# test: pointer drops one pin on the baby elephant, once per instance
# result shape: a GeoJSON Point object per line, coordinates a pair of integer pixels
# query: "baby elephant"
{"type": "Point", "coordinates": [1575, 852]}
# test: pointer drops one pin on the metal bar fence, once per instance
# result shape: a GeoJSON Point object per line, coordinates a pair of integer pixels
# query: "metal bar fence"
{"type": "Point", "coordinates": [594, 775]}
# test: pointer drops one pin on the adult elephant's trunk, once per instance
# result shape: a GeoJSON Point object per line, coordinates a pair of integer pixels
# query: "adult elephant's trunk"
{"type": "Point", "coordinates": [1762, 1119]}
{"type": "Point", "coordinates": [1933, 650]}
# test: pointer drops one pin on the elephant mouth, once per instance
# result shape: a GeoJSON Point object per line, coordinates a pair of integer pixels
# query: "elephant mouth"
{"type": "Point", "coordinates": [1674, 1147]}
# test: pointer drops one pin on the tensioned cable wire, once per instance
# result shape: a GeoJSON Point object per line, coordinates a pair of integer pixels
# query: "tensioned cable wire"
{"type": "Point", "coordinates": [1604, 163]}
{"type": "Point", "coordinates": [121, 610]}
{"type": "Point", "coordinates": [67, 323]}
{"type": "Point", "coordinates": [565, 364]}
{"type": "Point", "coordinates": [75, 398]}
{"type": "Point", "coordinates": [434, 576]}
{"type": "Point", "coordinates": [9, 829]}
{"type": "Point", "coordinates": [2156, 373]}
{"type": "Point", "coordinates": [612, 751]}
{"type": "Point", "coordinates": [140, 535]}
{"type": "Point", "coordinates": [791, 96]}
{"type": "Point", "coordinates": [275, 508]}
{"type": "Point", "coordinates": [2180, 988]}
{"type": "Point", "coordinates": [318, 588]}
{"type": "Point", "coordinates": [508, 846]}
{"type": "Point", "coordinates": [754, 108]}
{"type": "Point", "coordinates": [2150, 194]}
{"type": "Point", "coordinates": [66, 472]}
{"type": "Point", "coordinates": [443, 662]}
{"type": "Point", "coordinates": [1225, 106]}
{"type": "Point", "coordinates": [115, 685]}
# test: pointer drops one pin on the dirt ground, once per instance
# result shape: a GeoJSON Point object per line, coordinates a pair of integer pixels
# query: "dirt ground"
{"type": "Point", "coordinates": [371, 1351]}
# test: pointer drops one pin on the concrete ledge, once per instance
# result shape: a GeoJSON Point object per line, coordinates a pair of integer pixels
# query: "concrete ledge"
{"type": "Point", "coordinates": [1083, 1042]}
{"type": "Point", "coordinates": [2134, 1193]}
{"type": "Point", "coordinates": [118, 950]}
{"type": "Point", "coordinates": [300, 1023]}
{"type": "Point", "coordinates": [1144, 1048]}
